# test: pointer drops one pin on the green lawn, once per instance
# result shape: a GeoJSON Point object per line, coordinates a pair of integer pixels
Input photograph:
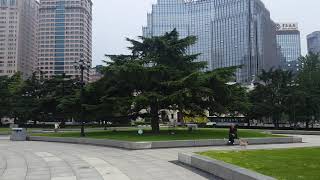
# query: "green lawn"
{"type": "Point", "coordinates": [8, 130]}
{"type": "Point", "coordinates": [283, 164]}
{"type": "Point", "coordinates": [4, 130]}
{"type": "Point", "coordinates": [180, 134]}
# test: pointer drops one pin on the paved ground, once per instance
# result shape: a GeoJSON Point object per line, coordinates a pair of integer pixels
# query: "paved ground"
{"type": "Point", "coordinates": [55, 161]}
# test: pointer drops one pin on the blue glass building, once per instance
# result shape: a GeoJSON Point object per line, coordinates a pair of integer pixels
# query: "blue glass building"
{"type": "Point", "coordinates": [314, 42]}
{"type": "Point", "coordinates": [289, 42]}
{"type": "Point", "coordinates": [229, 32]}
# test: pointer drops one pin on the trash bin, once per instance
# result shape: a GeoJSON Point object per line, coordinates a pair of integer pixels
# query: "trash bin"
{"type": "Point", "coordinates": [18, 134]}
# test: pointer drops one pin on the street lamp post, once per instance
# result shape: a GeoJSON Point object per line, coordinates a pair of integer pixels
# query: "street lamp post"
{"type": "Point", "coordinates": [81, 65]}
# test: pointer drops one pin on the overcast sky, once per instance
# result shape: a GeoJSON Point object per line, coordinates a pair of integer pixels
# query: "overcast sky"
{"type": "Point", "coordinates": [113, 20]}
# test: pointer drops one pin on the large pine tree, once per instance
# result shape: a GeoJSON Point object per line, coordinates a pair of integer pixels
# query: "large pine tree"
{"type": "Point", "coordinates": [160, 74]}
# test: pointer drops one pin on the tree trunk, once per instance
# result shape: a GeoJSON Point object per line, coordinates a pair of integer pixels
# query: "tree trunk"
{"type": "Point", "coordinates": [276, 121]}
{"type": "Point", "coordinates": [15, 120]}
{"type": "Point", "coordinates": [248, 121]}
{"type": "Point", "coordinates": [295, 125]}
{"type": "Point", "coordinates": [82, 133]}
{"type": "Point", "coordinates": [63, 123]}
{"type": "Point", "coordinates": [307, 124]}
{"type": "Point", "coordinates": [180, 117]}
{"type": "Point", "coordinates": [155, 125]}
{"type": "Point", "coordinates": [155, 119]}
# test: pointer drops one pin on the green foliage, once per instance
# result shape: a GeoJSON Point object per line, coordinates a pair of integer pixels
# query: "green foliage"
{"type": "Point", "coordinates": [279, 93]}
{"type": "Point", "coordinates": [197, 119]}
{"type": "Point", "coordinates": [60, 98]}
{"type": "Point", "coordinates": [270, 94]}
{"type": "Point", "coordinates": [159, 74]}
{"type": "Point", "coordinates": [21, 103]}
{"type": "Point", "coordinates": [4, 96]}
{"type": "Point", "coordinates": [309, 87]}
{"type": "Point", "coordinates": [36, 100]}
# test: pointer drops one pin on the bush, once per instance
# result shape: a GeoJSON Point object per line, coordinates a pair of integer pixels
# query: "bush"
{"type": "Point", "coordinates": [197, 119]}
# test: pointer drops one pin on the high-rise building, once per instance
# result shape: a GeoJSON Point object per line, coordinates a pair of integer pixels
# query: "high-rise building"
{"type": "Point", "coordinates": [18, 37]}
{"type": "Point", "coordinates": [65, 37]}
{"type": "Point", "coordinates": [314, 42]}
{"type": "Point", "coordinates": [229, 32]}
{"type": "Point", "coordinates": [289, 42]}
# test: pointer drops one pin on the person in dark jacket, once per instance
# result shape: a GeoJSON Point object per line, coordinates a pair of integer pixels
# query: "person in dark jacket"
{"type": "Point", "coordinates": [233, 134]}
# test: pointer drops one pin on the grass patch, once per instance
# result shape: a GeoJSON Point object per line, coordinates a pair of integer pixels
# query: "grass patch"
{"type": "Point", "coordinates": [8, 130]}
{"type": "Point", "coordinates": [180, 134]}
{"type": "Point", "coordinates": [283, 164]}
{"type": "Point", "coordinates": [4, 130]}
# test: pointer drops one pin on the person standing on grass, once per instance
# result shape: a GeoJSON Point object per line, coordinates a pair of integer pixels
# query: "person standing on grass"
{"type": "Point", "coordinates": [233, 134]}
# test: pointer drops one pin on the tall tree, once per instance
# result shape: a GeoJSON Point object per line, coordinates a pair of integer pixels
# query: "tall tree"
{"type": "Point", "coordinates": [4, 96]}
{"type": "Point", "coordinates": [160, 74]}
{"type": "Point", "coordinates": [309, 84]}
{"type": "Point", "coordinates": [59, 98]}
{"type": "Point", "coordinates": [269, 95]}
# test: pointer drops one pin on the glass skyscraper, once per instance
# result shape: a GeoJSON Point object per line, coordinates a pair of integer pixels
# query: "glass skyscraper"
{"type": "Point", "coordinates": [289, 42]}
{"type": "Point", "coordinates": [18, 37]}
{"type": "Point", "coordinates": [314, 42]}
{"type": "Point", "coordinates": [229, 32]}
{"type": "Point", "coordinates": [65, 36]}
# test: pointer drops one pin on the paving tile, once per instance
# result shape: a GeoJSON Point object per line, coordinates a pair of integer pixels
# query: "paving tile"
{"type": "Point", "coordinates": [65, 178]}
{"type": "Point", "coordinates": [57, 161]}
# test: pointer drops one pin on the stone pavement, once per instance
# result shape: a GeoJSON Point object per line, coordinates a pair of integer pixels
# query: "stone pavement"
{"type": "Point", "coordinates": [57, 161]}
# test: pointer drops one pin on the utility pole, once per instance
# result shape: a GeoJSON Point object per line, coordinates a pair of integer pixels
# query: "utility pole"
{"type": "Point", "coordinates": [82, 66]}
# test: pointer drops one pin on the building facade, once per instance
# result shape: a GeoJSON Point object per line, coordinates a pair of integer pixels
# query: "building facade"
{"type": "Point", "coordinates": [65, 37]}
{"type": "Point", "coordinates": [18, 37]}
{"type": "Point", "coordinates": [289, 42]}
{"type": "Point", "coordinates": [314, 42]}
{"type": "Point", "coordinates": [95, 74]}
{"type": "Point", "coordinates": [229, 32]}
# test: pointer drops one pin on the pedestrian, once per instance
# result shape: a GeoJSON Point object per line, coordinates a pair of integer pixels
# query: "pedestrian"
{"type": "Point", "coordinates": [233, 134]}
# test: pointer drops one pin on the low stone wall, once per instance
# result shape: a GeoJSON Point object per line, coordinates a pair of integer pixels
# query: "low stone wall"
{"type": "Point", "coordinates": [98, 142]}
{"type": "Point", "coordinates": [222, 142]}
{"type": "Point", "coordinates": [162, 144]}
{"type": "Point", "coordinates": [219, 168]}
{"type": "Point", "coordinates": [296, 132]}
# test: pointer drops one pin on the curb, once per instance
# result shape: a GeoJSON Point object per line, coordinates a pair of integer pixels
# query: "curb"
{"type": "Point", "coordinates": [295, 132]}
{"type": "Point", "coordinates": [97, 142]}
{"type": "Point", "coordinates": [219, 168]}
{"type": "Point", "coordinates": [162, 144]}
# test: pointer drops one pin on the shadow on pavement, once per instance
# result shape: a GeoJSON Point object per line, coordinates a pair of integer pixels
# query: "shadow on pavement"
{"type": "Point", "coordinates": [196, 171]}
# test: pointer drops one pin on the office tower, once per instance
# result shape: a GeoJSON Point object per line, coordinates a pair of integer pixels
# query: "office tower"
{"type": "Point", "coordinates": [229, 32]}
{"type": "Point", "coordinates": [314, 42]}
{"type": "Point", "coordinates": [288, 39]}
{"type": "Point", "coordinates": [18, 37]}
{"type": "Point", "coordinates": [65, 37]}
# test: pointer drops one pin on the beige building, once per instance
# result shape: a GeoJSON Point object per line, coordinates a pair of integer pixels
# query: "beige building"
{"type": "Point", "coordinates": [65, 37]}
{"type": "Point", "coordinates": [18, 36]}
